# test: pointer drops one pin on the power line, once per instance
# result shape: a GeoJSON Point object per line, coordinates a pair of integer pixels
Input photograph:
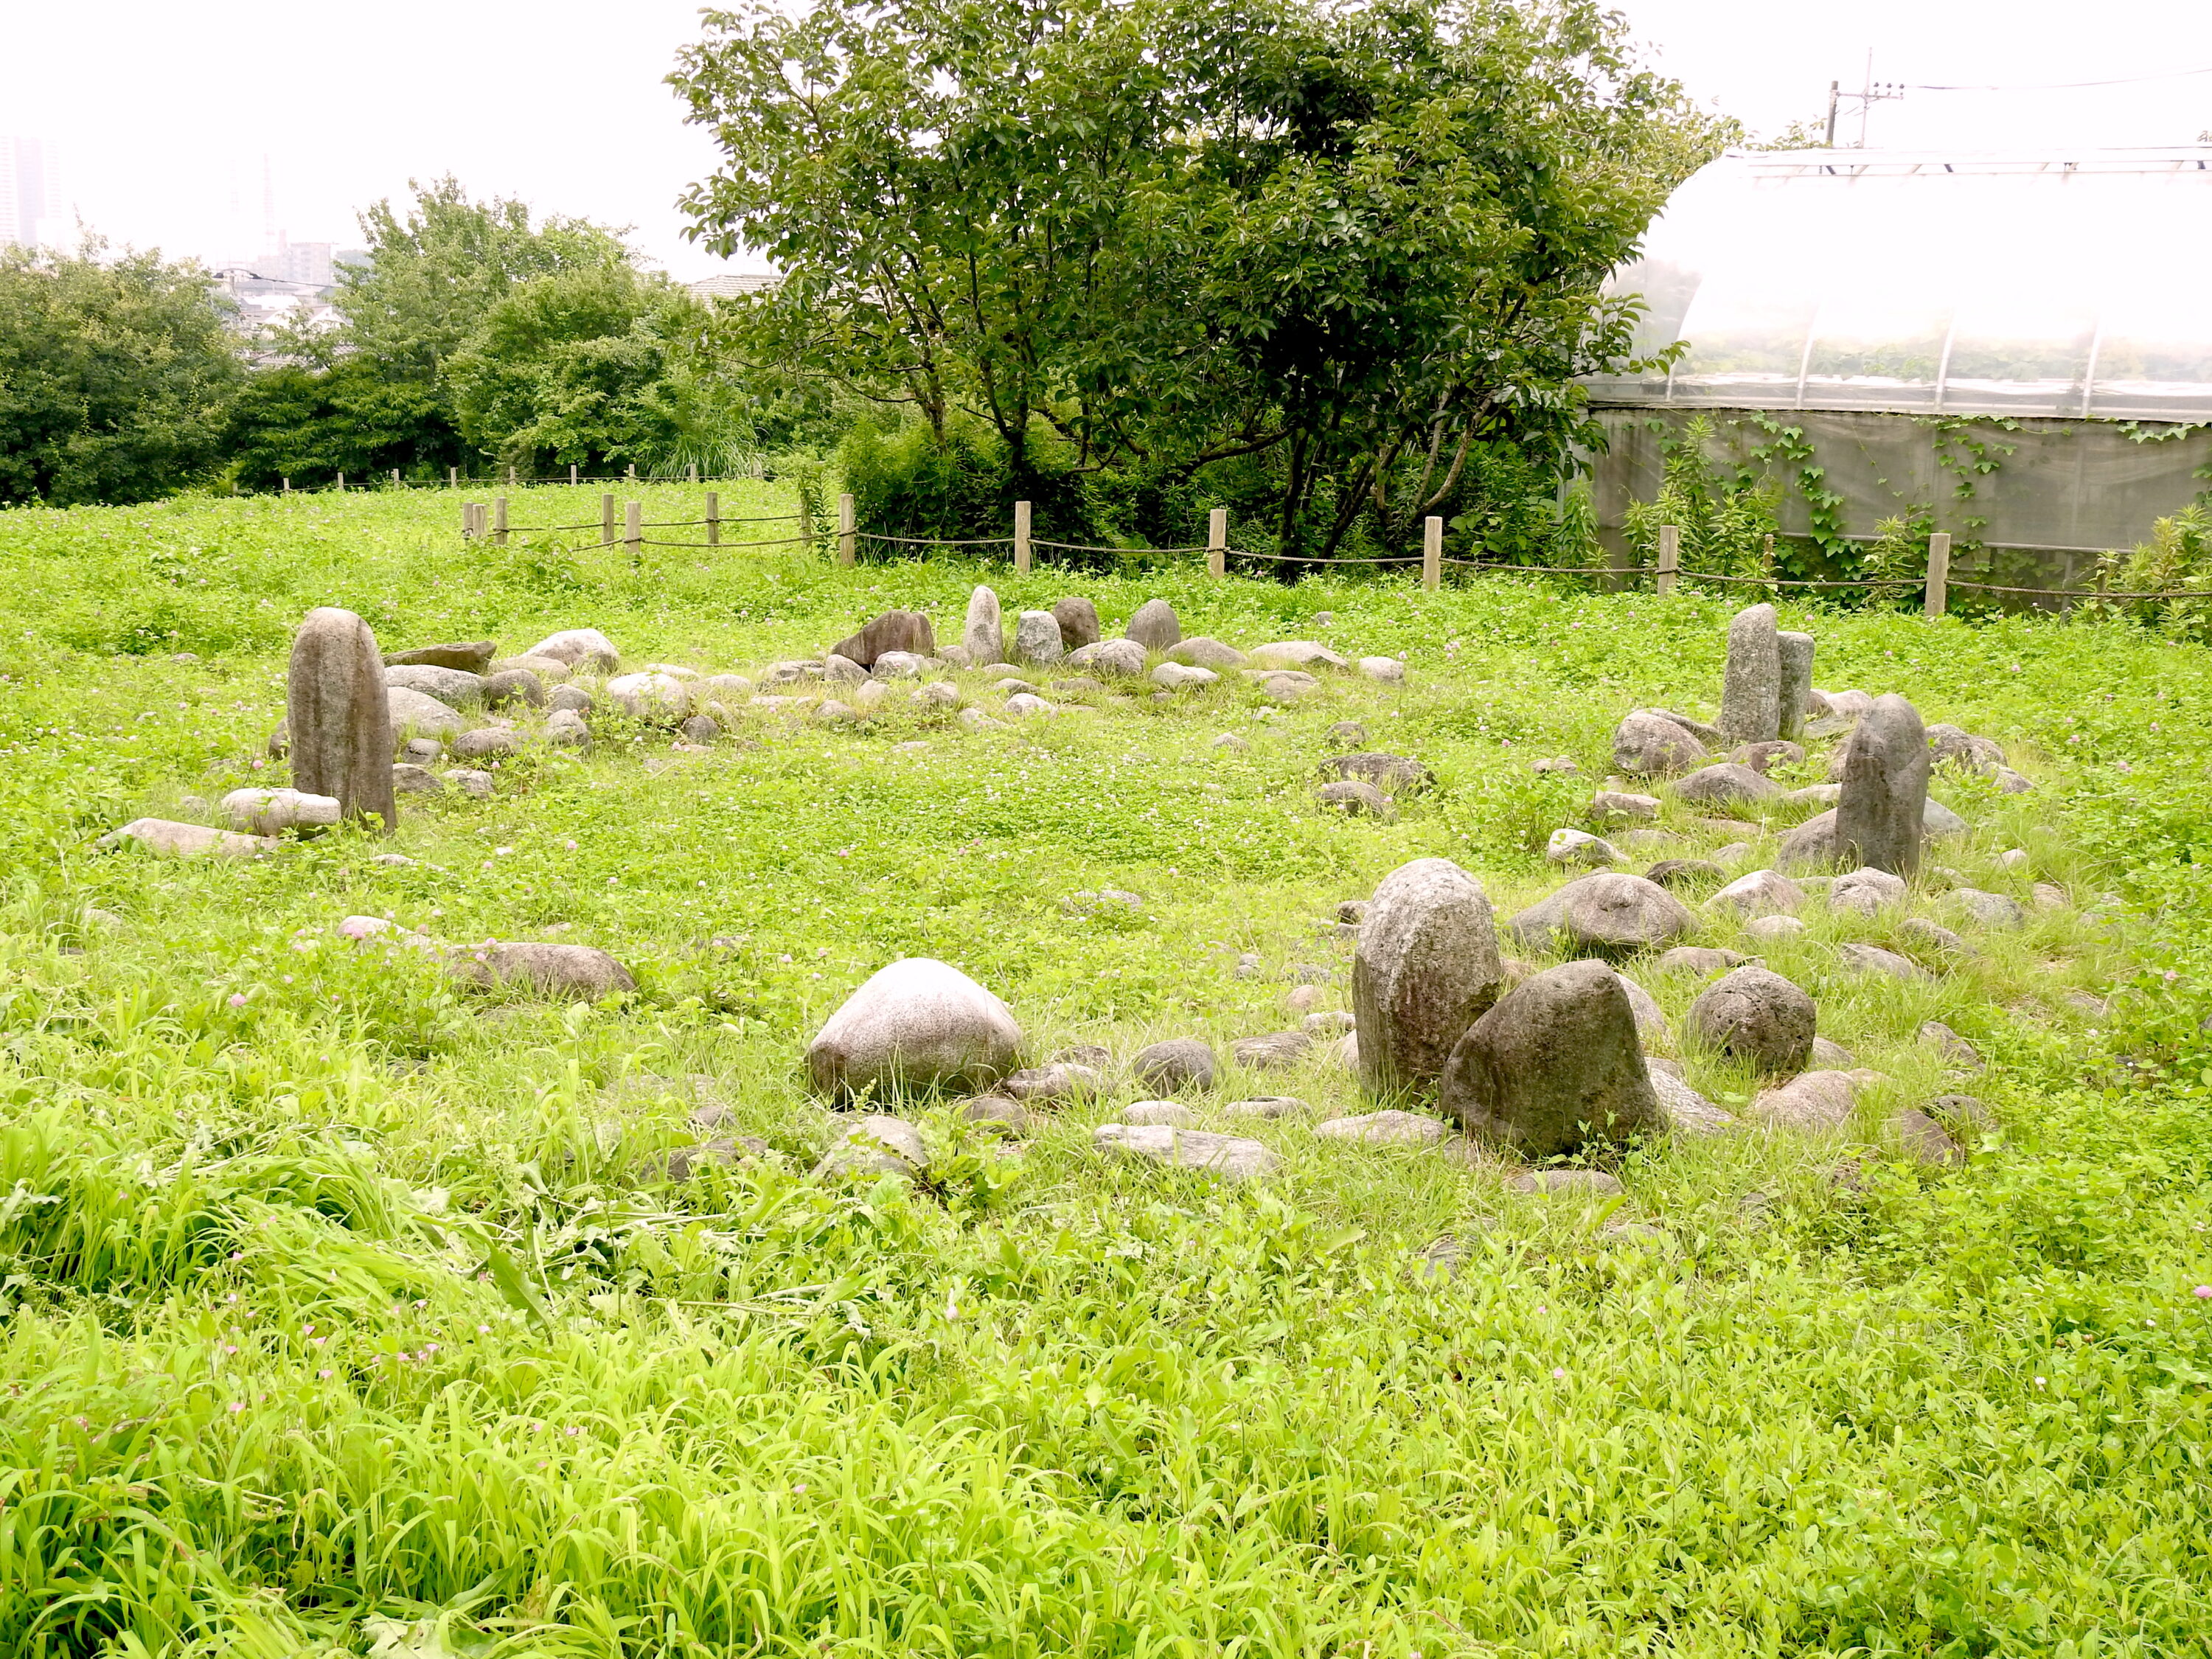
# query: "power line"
{"type": "Point", "coordinates": [2071, 86]}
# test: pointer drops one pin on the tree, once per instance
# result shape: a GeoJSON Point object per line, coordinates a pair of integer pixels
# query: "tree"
{"type": "Point", "coordinates": [598, 368]}
{"type": "Point", "coordinates": [116, 374]}
{"type": "Point", "coordinates": [1353, 244]}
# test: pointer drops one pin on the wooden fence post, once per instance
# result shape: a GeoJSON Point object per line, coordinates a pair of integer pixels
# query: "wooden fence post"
{"type": "Point", "coordinates": [453, 477]}
{"type": "Point", "coordinates": [341, 483]}
{"type": "Point", "coordinates": [1670, 558]}
{"type": "Point", "coordinates": [1939, 573]}
{"type": "Point", "coordinates": [1217, 542]}
{"type": "Point", "coordinates": [691, 473]}
{"type": "Point", "coordinates": [499, 522]}
{"type": "Point", "coordinates": [630, 472]}
{"type": "Point", "coordinates": [806, 519]}
{"type": "Point", "coordinates": [287, 486]}
{"type": "Point", "coordinates": [847, 531]}
{"type": "Point", "coordinates": [510, 477]}
{"type": "Point", "coordinates": [1021, 538]}
{"type": "Point", "coordinates": [634, 528]}
{"type": "Point", "coordinates": [468, 520]}
{"type": "Point", "coordinates": [395, 478]}
{"type": "Point", "coordinates": [606, 521]}
{"type": "Point", "coordinates": [572, 474]}
{"type": "Point", "coordinates": [1432, 553]}
{"type": "Point", "coordinates": [714, 518]}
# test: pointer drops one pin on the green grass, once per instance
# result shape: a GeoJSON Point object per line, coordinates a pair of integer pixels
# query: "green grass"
{"type": "Point", "coordinates": [363, 1298]}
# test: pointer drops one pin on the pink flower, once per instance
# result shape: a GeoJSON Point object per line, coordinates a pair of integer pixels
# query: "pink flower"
{"type": "Point", "coordinates": [570, 845]}
{"type": "Point", "coordinates": [1557, 1376]}
{"type": "Point", "coordinates": [2203, 1293]}
{"type": "Point", "coordinates": [238, 998]}
{"type": "Point", "coordinates": [237, 1406]}
{"type": "Point", "coordinates": [325, 1372]}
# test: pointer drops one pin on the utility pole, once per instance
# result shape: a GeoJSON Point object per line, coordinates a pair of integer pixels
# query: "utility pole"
{"type": "Point", "coordinates": [1873, 92]}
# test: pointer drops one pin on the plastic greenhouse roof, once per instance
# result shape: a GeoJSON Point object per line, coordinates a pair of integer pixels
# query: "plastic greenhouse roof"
{"type": "Point", "coordinates": [2074, 284]}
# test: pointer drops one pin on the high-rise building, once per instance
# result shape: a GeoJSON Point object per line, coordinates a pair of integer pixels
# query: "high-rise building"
{"type": "Point", "coordinates": [30, 194]}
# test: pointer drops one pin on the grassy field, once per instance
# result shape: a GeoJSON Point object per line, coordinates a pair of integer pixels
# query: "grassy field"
{"type": "Point", "coordinates": [346, 1311]}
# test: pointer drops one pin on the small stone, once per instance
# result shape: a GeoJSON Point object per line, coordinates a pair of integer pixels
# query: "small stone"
{"type": "Point", "coordinates": [1928, 936]}
{"type": "Point", "coordinates": [490, 744]}
{"type": "Point", "coordinates": [836, 670]}
{"type": "Point", "coordinates": [1026, 705]}
{"type": "Point", "coordinates": [1873, 959]}
{"type": "Point", "coordinates": [1079, 622]}
{"type": "Point", "coordinates": [650, 695]}
{"type": "Point", "coordinates": [1989, 909]}
{"type": "Point", "coordinates": [907, 631]}
{"type": "Point", "coordinates": [1773, 930]}
{"type": "Point", "coordinates": [996, 1112]}
{"type": "Point", "coordinates": [2009, 782]}
{"type": "Point", "coordinates": [1387, 670]}
{"type": "Point", "coordinates": [1229, 743]}
{"type": "Point", "coordinates": [1939, 820]}
{"type": "Point", "coordinates": [1227, 1156]}
{"type": "Point", "coordinates": [1729, 780]}
{"type": "Point", "coordinates": [701, 729]}
{"type": "Point", "coordinates": [571, 699]}
{"type": "Point", "coordinates": [579, 648]}
{"type": "Point", "coordinates": [1287, 685]}
{"type": "Point", "coordinates": [1647, 745]}
{"type": "Point", "coordinates": [1811, 1101]}
{"type": "Point", "coordinates": [830, 712]}
{"type": "Point", "coordinates": [1965, 1117]}
{"type": "Point", "coordinates": [1123, 659]}
{"type": "Point", "coordinates": [1689, 873]}
{"type": "Point", "coordinates": [1574, 849]}
{"type": "Point", "coordinates": [473, 656]}
{"type": "Point", "coordinates": [1606, 914]}
{"type": "Point", "coordinates": [1702, 960]}
{"type": "Point", "coordinates": [1828, 1057]}
{"type": "Point", "coordinates": [1566, 1184]}
{"type": "Point", "coordinates": [559, 971]}
{"type": "Point", "coordinates": [916, 1024]}
{"type": "Point", "coordinates": [1051, 1084]}
{"type": "Point", "coordinates": [878, 1144]}
{"type": "Point", "coordinates": [1353, 911]}
{"type": "Point", "coordinates": [1355, 799]}
{"type": "Point", "coordinates": [1395, 773]}
{"type": "Point", "coordinates": [1764, 757]}
{"type": "Point", "coordinates": [1178, 1063]}
{"type": "Point", "coordinates": [476, 785]}
{"type": "Point", "coordinates": [2083, 1002]}
{"type": "Point", "coordinates": [1755, 1015]}
{"type": "Point", "coordinates": [1389, 1128]}
{"type": "Point", "coordinates": [1301, 998]}
{"type": "Point", "coordinates": [1761, 893]}
{"type": "Point", "coordinates": [565, 728]}
{"type": "Point", "coordinates": [1866, 892]}
{"type": "Point", "coordinates": [2048, 897]}
{"type": "Point", "coordinates": [1948, 745]}
{"type": "Point", "coordinates": [1036, 638]}
{"type": "Point", "coordinates": [1154, 626]}
{"type": "Point", "coordinates": [511, 686]}
{"type": "Point", "coordinates": [1171, 1113]}
{"type": "Point", "coordinates": [1204, 652]}
{"type": "Point", "coordinates": [1610, 803]}
{"type": "Point", "coordinates": [1687, 1112]}
{"type": "Point", "coordinates": [166, 836]}
{"type": "Point", "coordinates": [1327, 1022]}
{"type": "Point", "coordinates": [1274, 1052]}
{"type": "Point", "coordinates": [1265, 1106]}
{"type": "Point", "coordinates": [448, 685]}
{"type": "Point", "coordinates": [1955, 1049]}
{"type": "Point", "coordinates": [1555, 1066]}
{"type": "Point", "coordinates": [1924, 1140]}
{"type": "Point", "coordinates": [1295, 654]}
{"type": "Point", "coordinates": [272, 812]}
{"type": "Point", "coordinates": [1175, 677]}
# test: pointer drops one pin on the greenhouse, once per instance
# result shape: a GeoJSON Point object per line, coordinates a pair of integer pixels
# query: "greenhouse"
{"type": "Point", "coordinates": [2016, 349]}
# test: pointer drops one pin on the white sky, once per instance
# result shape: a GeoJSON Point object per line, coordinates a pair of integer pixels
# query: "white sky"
{"type": "Point", "coordinates": [163, 110]}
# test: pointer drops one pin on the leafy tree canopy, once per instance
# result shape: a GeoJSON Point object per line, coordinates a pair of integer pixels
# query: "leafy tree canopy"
{"type": "Point", "coordinates": [115, 375]}
{"type": "Point", "coordinates": [1360, 243]}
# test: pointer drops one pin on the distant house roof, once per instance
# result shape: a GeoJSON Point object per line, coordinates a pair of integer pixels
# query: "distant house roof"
{"type": "Point", "coordinates": [729, 288]}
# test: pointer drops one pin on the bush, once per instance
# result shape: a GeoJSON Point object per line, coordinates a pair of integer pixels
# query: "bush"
{"type": "Point", "coordinates": [905, 482]}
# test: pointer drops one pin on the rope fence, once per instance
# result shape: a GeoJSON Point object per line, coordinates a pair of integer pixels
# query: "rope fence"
{"type": "Point", "coordinates": [489, 521]}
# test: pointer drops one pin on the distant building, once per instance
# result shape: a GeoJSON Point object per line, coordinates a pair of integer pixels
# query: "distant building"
{"type": "Point", "coordinates": [711, 288]}
{"type": "Point", "coordinates": [30, 195]}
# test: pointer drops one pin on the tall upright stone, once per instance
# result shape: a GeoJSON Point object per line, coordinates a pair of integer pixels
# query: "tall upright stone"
{"type": "Point", "coordinates": [1880, 814]}
{"type": "Point", "coordinates": [339, 716]}
{"type": "Point", "coordinates": [1155, 626]}
{"type": "Point", "coordinates": [1425, 969]}
{"type": "Point", "coordinates": [984, 636]}
{"type": "Point", "coordinates": [1796, 654]}
{"type": "Point", "coordinates": [1751, 694]}
{"type": "Point", "coordinates": [1079, 622]}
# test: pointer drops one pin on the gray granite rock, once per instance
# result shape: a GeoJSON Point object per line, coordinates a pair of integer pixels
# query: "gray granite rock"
{"type": "Point", "coordinates": [917, 1024]}
{"type": "Point", "coordinates": [572, 698]}
{"type": "Point", "coordinates": [1812, 1102]}
{"type": "Point", "coordinates": [1394, 773]}
{"type": "Point", "coordinates": [1079, 622]}
{"type": "Point", "coordinates": [1955, 1049]}
{"type": "Point", "coordinates": [1426, 967]}
{"type": "Point", "coordinates": [1879, 815]}
{"type": "Point", "coordinates": [1354, 798]}
{"type": "Point", "coordinates": [1036, 638]}
{"type": "Point", "coordinates": [1172, 1113]}
{"type": "Point", "coordinates": [559, 971]}
{"type": "Point", "coordinates": [1761, 893]}
{"type": "Point", "coordinates": [878, 1144]}
{"type": "Point", "coordinates": [1555, 1066]}
{"type": "Point", "coordinates": [1796, 655]}
{"type": "Point", "coordinates": [1177, 1063]}
{"type": "Point", "coordinates": [1755, 1015]}
{"type": "Point", "coordinates": [1647, 745]}
{"type": "Point", "coordinates": [1154, 626]}
{"type": "Point", "coordinates": [1229, 1156]}
{"type": "Point", "coordinates": [1123, 659]}
{"type": "Point", "coordinates": [1866, 892]}
{"type": "Point", "coordinates": [1578, 849]}
{"type": "Point", "coordinates": [1727, 781]}
{"type": "Point", "coordinates": [1702, 960]}
{"type": "Point", "coordinates": [448, 685]}
{"type": "Point", "coordinates": [1385, 1128]}
{"type": "Point", "coordinates": [1608, 913]}
{"type": "Point", "coordinates": [579, 648]}
{"type": "Point", "coordinates": [339, 716]}
{"type": "Point", "coordinates": [516, 685]}
{"type": "Point", "coordinates": [1751, 693]}
{"type": "Point", "coordinates": [1204, 652]}
{"type": "Point", "coordinates": [471, 657]}
{"type": "Point", "coordinates": [894, 630]}
{"type": "Point", "coordinates": [1873, 959]}
{"type": "Point", "coordinates": [983, 635]}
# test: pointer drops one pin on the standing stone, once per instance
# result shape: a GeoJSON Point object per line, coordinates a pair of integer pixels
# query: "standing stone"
{"type": "Point", "coordinates": [894, 630]}
{"type": "Point", "coordinates": [1795, 650]}
{"type": "Point", "coordinates": [1426, 968]}
{"type": "Point", "coordinates": [1879, 815]}
{"type": "Point", "coordinates": [1155, 626]}
{"type": "Point", "coordinates": [1751, 696]}
{"type": "Point", "coordinates": [918, 1023]}
{"type": "Point", "coordinates": [336, 711]}
{"type": "Point", "coordinates": [1037, 637]}
{"type": "Point", "coordinates": [1079, 622]}
{"type": "Point", "coordinates": [983, 636]}
{"type": "Point", "coordinates": [1555, 1066]}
